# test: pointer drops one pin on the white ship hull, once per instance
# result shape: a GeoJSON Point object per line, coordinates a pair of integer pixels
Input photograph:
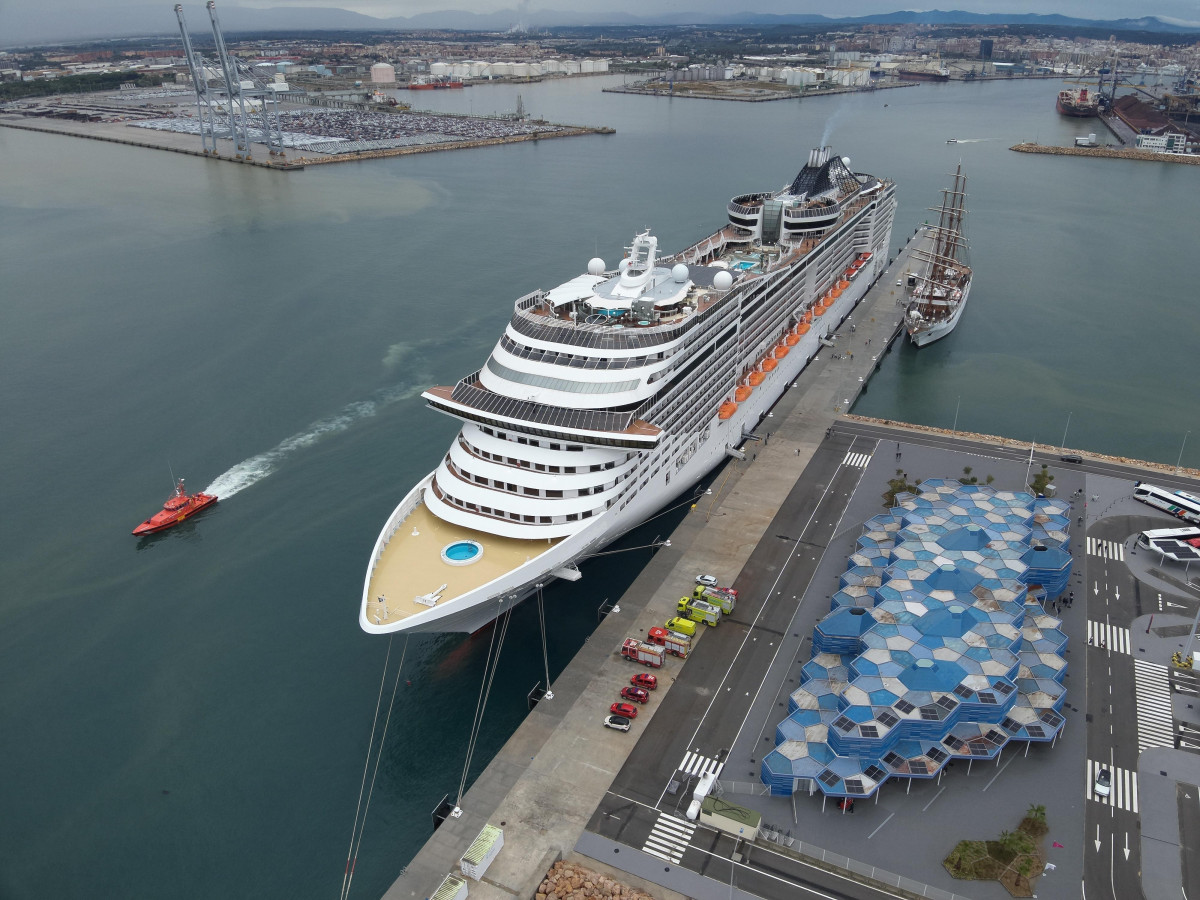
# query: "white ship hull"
{"type": "Point", "coordinates": [551, 464]}
{"type": "Point", "coordinates": [927, 334]}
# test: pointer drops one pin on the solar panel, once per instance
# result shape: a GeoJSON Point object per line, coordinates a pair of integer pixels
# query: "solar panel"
{"type": "Point", "coordinates": [1003, 687]}
{"type": "Point", "coordinates": [937, 754]}
{"type": "Point", "coordinates": [929, 713]}
{"type": "Point", "coordinates": [918, 767]}
{"type": "Point", "coordinates": [868, 731]}
{"type": "Point", "coordinates": [894, 760]}
{"type": "Point", "coordinates": [947, 703]}
{"type": "Point", "coordinates": [1051, 718]}
{"type": "Point", "coordinates": [1011, 725]}
{"type": "Point", "coordinates": [855, 787]}
{"type": "Point", "coordinates": [887, 719]}
{"type": "Point", "coordinates": [988, 697]}
{"type": "Point", "coordinates": [963, 691]}
{"type": "Point", "coordinates": [995, 736]}
{"type": "Point", "coordinates": [827, 778]}
{"type": "Point", "coordinates": [904, 706]}
{"type": "Point", "coordinates": [1035, 731]}
{"type": "Point", "coordinates": [952, 742]}
{"type": "Point", "coordinates": [841, 723]}
{"type": "Point", "coordinates": [875, 773]}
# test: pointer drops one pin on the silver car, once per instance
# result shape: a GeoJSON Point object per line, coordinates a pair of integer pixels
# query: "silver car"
{"type": "Point", "coordinates": [620, 723]}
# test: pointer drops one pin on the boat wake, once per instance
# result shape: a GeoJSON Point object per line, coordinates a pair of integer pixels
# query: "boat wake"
{"type": "Point", "coordinates": [256, 468]}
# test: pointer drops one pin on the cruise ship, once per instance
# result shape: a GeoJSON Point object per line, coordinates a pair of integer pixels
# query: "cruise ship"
{"type": "Point", "coordinates": [940, 292]}
{"type": "Point", "coordinates": [610, 395]}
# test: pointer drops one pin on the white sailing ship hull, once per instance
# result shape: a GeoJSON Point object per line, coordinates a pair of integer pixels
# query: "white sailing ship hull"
{"type": "Point", "coordinates": [926, 335]}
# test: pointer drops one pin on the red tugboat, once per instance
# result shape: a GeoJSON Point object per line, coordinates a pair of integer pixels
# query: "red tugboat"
{"type": "Point", "coordinates": [180, 506]}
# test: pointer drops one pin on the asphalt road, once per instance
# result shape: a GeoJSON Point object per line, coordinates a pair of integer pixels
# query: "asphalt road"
{"type": "Point", "coordinates": [1188, 799]}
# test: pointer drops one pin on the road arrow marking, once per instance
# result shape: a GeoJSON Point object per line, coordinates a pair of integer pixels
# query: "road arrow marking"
{"type": "Point", "coordinates": [1127, 846]}
{"type": "Point", "coordinates": [1097, 838]}
{"type": "Point", "coordinates": [1176, 605]}
{"type": "Point", "coordinates": [1095, 588]}
{"type": "Point", "coordinates": [1117, 593]}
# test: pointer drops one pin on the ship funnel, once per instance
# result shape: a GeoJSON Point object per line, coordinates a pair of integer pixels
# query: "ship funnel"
{"type": "Point", "coordinates": [818, 157]}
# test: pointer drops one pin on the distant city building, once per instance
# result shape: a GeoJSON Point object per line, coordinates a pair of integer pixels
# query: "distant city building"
{"type": "Point", "coordinates": [985, 48]}
{"type": "Point", "coordinates": [1170, 142]}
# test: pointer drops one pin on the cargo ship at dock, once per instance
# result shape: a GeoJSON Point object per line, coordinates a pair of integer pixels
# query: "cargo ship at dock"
{"type": "Point", "coordinates": [614, 393]}
{"type": "Point", "coordinates": [1081, 104]}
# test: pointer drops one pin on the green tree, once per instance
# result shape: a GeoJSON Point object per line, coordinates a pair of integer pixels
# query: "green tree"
{"type": "Point", "coordinates": [1041, 481]}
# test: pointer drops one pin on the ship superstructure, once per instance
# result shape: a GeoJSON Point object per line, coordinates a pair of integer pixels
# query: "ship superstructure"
{"type": "Point", "coordinates": [940, 292]}
{"type": "Point", "coordinates": [618, 390]}
{"type": "Point", "coordinates": [1080, 103]}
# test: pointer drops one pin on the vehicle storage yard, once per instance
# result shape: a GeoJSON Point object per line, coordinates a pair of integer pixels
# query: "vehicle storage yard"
{"type": "Point", "coordinates": [167, 120]}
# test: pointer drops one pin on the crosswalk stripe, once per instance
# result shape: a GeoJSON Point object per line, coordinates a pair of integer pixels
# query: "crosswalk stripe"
{"type": "Point", "coordinates": [1155, 718]}
{"type": "Point", "coordinates": [669, 838]}
{"type": "Point", "coordinates": [1113, 637]}
{"type": "Point", "coordinates": [1123, 789]}
{"type": "Point", "coordinates": [695, 764]}
{"type": "Point", "coordinates": [858, 460]}
{"type": "Point", "coordinates": [1114, 550]}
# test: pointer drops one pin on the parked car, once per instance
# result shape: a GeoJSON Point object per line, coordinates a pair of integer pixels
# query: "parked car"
{"type": "Point", "coordinates": [645, 680]}
{"type": "Point", "coordinates": [623, 709]}
{"type": "Point", "coordinates": [620, 723]}
{"type": "Point", "coordinates": [1103, 783]}
{"type": "Point", "coordinates": [1071, 458]}
{"type": "Point", "coordinates": [636, 694]}
{"type": "Point", "coordinates": [707, 580]}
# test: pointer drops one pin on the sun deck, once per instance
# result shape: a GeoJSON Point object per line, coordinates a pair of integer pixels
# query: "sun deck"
{"type": "Point", "coordinates": [412, 565]}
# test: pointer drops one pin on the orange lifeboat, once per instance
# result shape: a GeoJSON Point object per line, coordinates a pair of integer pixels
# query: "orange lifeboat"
{"type": "Point", "coordinates": [843, 284]}
{"type": "Point", "coordinates": [728, 408]}
{"type": "Point", "coordinates": [819, 309]}
{"type": "Point", "coordinates": [802, 328]}
{"type": "Point", "coordinates": [755, 379]}
{"type": "Point", "coordinates": [769, 364]}
{"type": "Point", "coordinates": [742, 394]}
{"type": "Point", "coordinates": [808, 317]}
{"type": "Point", "coordinates": [792, 339]}
{"type": "Point", "coordinates": [781, 351]}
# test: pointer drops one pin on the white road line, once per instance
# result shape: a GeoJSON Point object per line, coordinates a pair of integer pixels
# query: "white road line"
{"type": "Point", "coordinates": [857, 460]}
{"type": "Point", "coordinates": [669, 838]}
{"type": "Point", "coordinates": [1114, 550]}
{"type": "Point", "coordinates": [1113, 637]}
{"type": "Point", "coordinates": [695, 764]}
{"type": "Point", "coordinates": [1122, 789]}
{"type": "Point", "coordinates": [1155, 720]}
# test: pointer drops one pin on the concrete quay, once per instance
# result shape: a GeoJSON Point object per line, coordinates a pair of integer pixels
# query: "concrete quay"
{"type": "Point", "coordinates": [549, 778]}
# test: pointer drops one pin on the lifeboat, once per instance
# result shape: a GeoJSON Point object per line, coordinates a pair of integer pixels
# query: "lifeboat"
{"type": "Point", "coordinates": [179, 506]}
{"type": "Point", "coordinates": [808, 317]}
{"type": "Point", "coordinates": [755, 379]}
{"type": "Point", "coordinates": [728, 408]}
{"type": "Point", "coordinates": [865, 257]}
{"type": "Point", "coordinates": [842, 285]}
{"type": "Point", "coordinates": [819, 309]}
{"type": "Point", "coordinates": [792, 339]}
{"type": "Point", "coordinates": [781, 351]}
{"type": "Point", "coordinates": [742, 394]}
{"type": "Point", "coordinates": [769, 364]}
{"type": "Point", "coordinates": [802, 328]}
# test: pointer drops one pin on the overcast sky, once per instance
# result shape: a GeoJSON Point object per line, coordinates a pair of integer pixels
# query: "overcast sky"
{"type": "Point", "coordinates": [1088, 9]}
{"type": "Point", "coordinates": [31, 21]}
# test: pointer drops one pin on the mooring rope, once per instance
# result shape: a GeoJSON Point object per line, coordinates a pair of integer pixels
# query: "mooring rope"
{"type": "Point", "coordinates": [485, 692]}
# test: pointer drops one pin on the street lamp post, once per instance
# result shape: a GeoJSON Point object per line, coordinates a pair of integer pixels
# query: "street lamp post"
{"type": "Point", "coordinates": [1064, 441]}
{"type": "Point", "coordinates": [956, 407]}
{"type": "Point", "coordinates": [1179, 461]}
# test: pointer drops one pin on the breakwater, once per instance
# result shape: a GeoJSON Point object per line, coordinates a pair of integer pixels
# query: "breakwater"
{"type": "Point", "coordinates": [1108, 153]}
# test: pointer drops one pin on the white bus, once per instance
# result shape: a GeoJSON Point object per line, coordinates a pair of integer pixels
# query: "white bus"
{"type": "Point", "coordinates": [1177, 503]}
{"type": "Point", "coordinates": [1183, 535]}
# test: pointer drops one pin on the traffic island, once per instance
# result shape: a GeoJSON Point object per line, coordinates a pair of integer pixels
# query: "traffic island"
{"type": "Point", "coordinates": [1014, 859]}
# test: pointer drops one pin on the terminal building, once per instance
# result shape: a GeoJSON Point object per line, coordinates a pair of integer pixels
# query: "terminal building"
{"type": "Point", "coordinates": [937, 646]}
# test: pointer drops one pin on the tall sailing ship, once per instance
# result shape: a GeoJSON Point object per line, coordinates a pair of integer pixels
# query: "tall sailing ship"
{"type": "Point", "coordinates": [940, 291]}
{"type": "Point", "coordinates": [615, 392]}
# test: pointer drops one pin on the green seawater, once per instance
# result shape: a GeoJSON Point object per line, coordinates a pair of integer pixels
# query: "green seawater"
{"type": "Point", "coordinates": [188, 715]}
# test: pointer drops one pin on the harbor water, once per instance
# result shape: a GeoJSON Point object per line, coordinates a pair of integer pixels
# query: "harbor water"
{"type": "Point", "coordinates": [188, 714]}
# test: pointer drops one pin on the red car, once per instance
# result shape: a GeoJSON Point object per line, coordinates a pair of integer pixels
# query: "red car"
{"type": "Point", "coordinates": [644, 680]}
{"type": "Point", "coordinates": [623, 709]}
{"type": "Point", "coordinates": [636, 694]}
